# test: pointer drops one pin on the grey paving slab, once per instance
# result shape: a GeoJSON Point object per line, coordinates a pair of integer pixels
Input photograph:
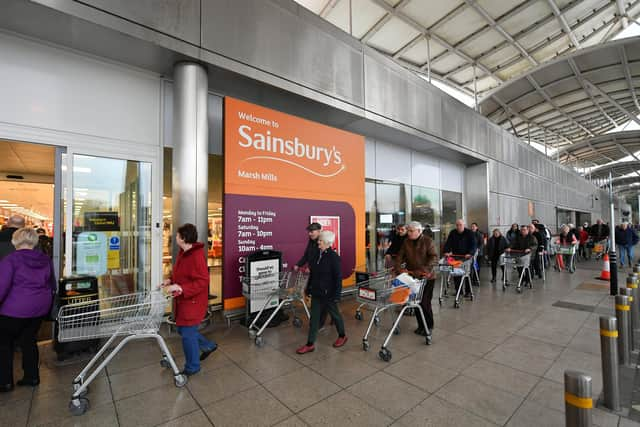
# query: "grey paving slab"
{"type": "Point", "coordinates": [294, 421]}
{"type": "Point", "coordinates": [438, 412]}
{"type": "Point", "coordinates": [342, 369]}
{"type": "Point", "coordinates": [520, 360]}
{"type": "Point", "coordinates": [531, 414]}
{"type": "Point", "coordinates": [468, 344]}
{"type": "Point", "coordinates": [218, 384]}
{"type": "Point", "coordinates": [502, 377]}
{"type": "Point", "coordinates": [255, 407]}
{"type": "Point", "coordinates": [102, 416]}
{"type": "Point", "coordinates": [268, 364]}
{"type": "Point", "coordinates": [194, 419]}
{"type": "Point", "coordinates": [485, 401]}
{"type": "Point", "coordinates": [577, 360]}
{"type": "Point", "coordinates": [129, 383]}
{"type": "Point", "coordinates": [344, 409]}
{"type": "Point", "coordinates": [425, 375]}
{"type": "Point", "coordinates": [387, 393]}
{"type": "Point", "coordinates": [301, 388]}
{"type": "Point", "coordinates": [155, 407]}
{"type": "Point", "coordinates": [14, 413]}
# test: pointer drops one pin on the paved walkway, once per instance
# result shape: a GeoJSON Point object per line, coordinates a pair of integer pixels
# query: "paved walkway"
{"type": "Point", "coordinates": [498, 360]}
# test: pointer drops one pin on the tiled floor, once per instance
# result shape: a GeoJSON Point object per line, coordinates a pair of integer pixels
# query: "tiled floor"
{"type": "Point", "coordinates": [498, 360]}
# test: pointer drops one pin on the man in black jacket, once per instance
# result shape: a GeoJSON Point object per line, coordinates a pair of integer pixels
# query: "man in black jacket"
{"type": "Point", "coordinates": [396, 243]}
{"type": "Point", "coordinates": [325, 289]}
{"type": "Point", "coordinates": [536, 261]}
{"type": "Point", "coordinates": [6, 247]}
{"type": "Point", "coordinates": [461, 241]}
{"type": "Point", "coordinates": [599, 231]}
{"type": "Point", "coordinates": [311, 251]}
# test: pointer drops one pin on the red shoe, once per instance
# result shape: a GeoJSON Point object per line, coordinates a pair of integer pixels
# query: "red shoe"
{"type": "Point", "coordinates": [306, 349]}
{"type": "Point", "coordinates": [340, 342]}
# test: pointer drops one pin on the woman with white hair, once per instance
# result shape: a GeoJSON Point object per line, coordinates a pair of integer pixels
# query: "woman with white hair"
{"type": "Point", "coordinates": [27, 286]}
{"type": "Point", "coordinates": [325, 289]}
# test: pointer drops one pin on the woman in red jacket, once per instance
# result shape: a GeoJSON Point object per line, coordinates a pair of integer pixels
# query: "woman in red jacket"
{"type": "Point", "coordinates": [189, 284]}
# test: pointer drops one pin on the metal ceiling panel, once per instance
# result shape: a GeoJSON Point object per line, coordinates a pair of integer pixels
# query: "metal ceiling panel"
{"type": "Point", "coordinates": [447, 63]}
{"type": "Point", "coordinates": [483, 42]}
{"type": "Point", "coordinates": [393, 36]}
{"type": "Point", "coordinates": [418, 53]}
{"type": "Point", "coordinates": [429, 14]}
{"type": "Point", "coordinates": [514, 70]}
{"type": "Point", "coordinates": [584, 12]}
{"type": "Point", "coordinates": [534, 12]}
{"type": "Point", "coordinates": [461, 25]}
{"type": "Point", "coordinates": [541, 33]}
{"type": "Point", "coordinates": [550, 50]}
{"type": "Point", "coordinates": [499, 8]}
{"type": "Point", "coordinates": [499, 56]}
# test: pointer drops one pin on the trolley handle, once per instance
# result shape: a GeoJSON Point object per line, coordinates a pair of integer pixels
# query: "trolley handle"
{"type": "Point", "coordinates": [518, 251]}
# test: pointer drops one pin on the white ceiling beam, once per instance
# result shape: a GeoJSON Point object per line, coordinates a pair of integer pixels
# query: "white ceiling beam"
{"type": "Point", "coordinates": [622, 13]}
{"type": "Point", "coordinates": [612, 101]}
{"type": "Point", "coordinates": [327, 8]}
{"type": "Point", "coordinates": [578, 74]}
{"type": "Point", "coordinates": [551, 102]}
{"type": "Point", "coordinates": [627, 75]}
{"type": "Point", "coordinates": [497, 27]}
{"type": "Point", "coordinates": [427, 33]}
{"type": "Point", "coordinates": [382, 21]}
{"type": "Point", "coordinates": [563, 23]}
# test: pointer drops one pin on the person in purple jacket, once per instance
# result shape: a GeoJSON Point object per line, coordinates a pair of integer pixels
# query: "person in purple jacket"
{"type": "Point", "coordinates": [27, 286]}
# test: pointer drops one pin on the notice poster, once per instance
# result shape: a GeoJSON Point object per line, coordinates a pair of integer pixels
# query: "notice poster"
{"type": "Point", "coordinates": [280, 171]}
{"type": "Point", "coordinates": [91, 253]}
{"type": "Point", "coordinates": [264, 280]}
{"type": "Point", "coordinates": [330, 223]}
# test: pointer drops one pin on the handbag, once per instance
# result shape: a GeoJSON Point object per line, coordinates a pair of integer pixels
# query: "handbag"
{"type": "Point", "coordinates": [55, 308]}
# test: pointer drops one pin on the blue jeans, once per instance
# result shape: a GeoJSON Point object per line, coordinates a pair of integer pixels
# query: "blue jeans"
{"type": "Point", "coordinates": [192, 344]}
{"type": "Point", "coordinates": [628, 250]}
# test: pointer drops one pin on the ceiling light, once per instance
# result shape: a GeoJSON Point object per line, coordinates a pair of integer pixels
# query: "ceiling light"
{"type": "Point", "coordinates": [4, 201]}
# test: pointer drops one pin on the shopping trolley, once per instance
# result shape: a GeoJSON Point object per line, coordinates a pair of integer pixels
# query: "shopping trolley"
{"type": "Point", "coordinates": [384, 298]}
{"type": "Point", "coordinates": [455, 266]}
{"type": "Point", "coordinates": [286, 287]}
{"type": "Point", "coordinates": [600, 248]}
{"type": "Point", "coordinates": [515, 258]}
{"type": "Point", "coordinates": [374, 280]}
{"type": "Point", "coordinates": [541, 260]}
{"type": "Point", "coordinates": [133, 316]}
{"type": "Point", "coordinates": [562, 251]}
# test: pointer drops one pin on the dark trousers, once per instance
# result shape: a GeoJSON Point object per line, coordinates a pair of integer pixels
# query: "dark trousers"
{"type": "Point", "coordinates": [467, 285]}
{"type": "Point", "coordinates": [426, 305]}
{"type": "Point", "coordinates": [318, 305]}
{"type": "Point", "coordinates": [494, 267]}
{"type": "Point", "coordinates": [23, 332]}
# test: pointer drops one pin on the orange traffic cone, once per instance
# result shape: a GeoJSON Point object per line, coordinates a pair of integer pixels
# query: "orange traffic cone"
{"type": "Point", "coordinates": [605, 274]}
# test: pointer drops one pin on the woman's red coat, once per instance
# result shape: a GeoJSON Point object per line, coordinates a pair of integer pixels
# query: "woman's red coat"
{"type": "Point", "coordinates": [191, 273]}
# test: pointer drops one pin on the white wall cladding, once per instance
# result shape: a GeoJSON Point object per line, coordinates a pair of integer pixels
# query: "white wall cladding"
{"type": "Point", "coordinates": [390, 162]}
{"type": "Point", "coordinates": [52, 88]}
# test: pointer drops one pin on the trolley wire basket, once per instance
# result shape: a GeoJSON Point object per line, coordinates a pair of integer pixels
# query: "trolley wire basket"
{"type": "Point", "coordinates": [133, 316]}
{"type": "Point", "coordinates": [375, 280]}
{"type": "Point", "coordinates": [451, 267]}
{"type": "Point", "coordinates": [516, 259]}
{"type": "Point", "coordinates": [382, 295]}
{"type": "Point", "coordinates": [287, 288]}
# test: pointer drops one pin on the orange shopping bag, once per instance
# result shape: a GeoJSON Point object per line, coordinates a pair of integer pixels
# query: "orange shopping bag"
{"type": "Point", "coordinates": [400, 295]}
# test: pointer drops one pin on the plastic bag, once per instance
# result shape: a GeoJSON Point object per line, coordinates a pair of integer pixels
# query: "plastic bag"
{"type": "Point", "coordinates": [405, 279]}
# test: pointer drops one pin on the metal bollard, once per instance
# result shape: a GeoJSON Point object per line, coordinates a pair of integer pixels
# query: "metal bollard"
{"type": "Point", "coordinates": [578, 403]}
{"type": "Point", "coordinates": [609, 352]}
{"type": "Point", "coordinates": [632, 314]}
{"type": "Point", "coordinates": [636, 269]}
{"type": "Point", "coordinates": [623, 312]}
{"type": "Point", "coordinates": [632, 283]}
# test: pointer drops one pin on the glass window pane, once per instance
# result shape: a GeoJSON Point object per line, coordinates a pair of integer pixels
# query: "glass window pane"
{"type": "Point", "coordinates": [425, 206]}
{"type": "Point", "coordinates": [451, 211]}
{"type": "Point", "coordinates": [392, 201]}
{"type": "Point", "coordinates": [112, 223]}
{"type": "Point", "coordinates": [214, 215]}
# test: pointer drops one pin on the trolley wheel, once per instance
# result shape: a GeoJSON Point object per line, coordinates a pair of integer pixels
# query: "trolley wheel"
{"type": "Point", "coordinates": [456, 304]}
{"type": "Point", "coordinates": [572, 269]}
{"type": "Point", "coordinates": [470, 297]}
{"type": "Point", "coordinates": [365, 345]}
{"type": "Point", "coordinates": [519, 290]}
{"type": "Point", "coordinates": [78, 406]}
{"type": "Point", "coordinates": [358, 315]}
{"type": "Point", "coordinates": [376, 320]}
{"type": "Point", "coordinates": [385, 354]}
{"type": "Point", "coordinates": [180, 380]}
{"type": "Point", "coordinates": [252, 333]}
{"type": "Point", "coordinates": [428, 339]}
{"type": "Point", "coordinates": [165, 363]}
{"type": "Point", "coordinates": [440, 301]}
{"type": "Point", "coordinates": [297, 322]}
{"type": "Point", "coordinates": [260, 341]}
{"type": "Point", "coordinates": [396, 331]}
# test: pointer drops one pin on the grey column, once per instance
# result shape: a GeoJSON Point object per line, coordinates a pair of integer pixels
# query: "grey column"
{"type": "Point", "coordinates": [190, 148]}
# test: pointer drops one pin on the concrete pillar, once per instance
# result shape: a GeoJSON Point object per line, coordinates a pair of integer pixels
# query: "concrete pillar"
{"type": "Point", "coordinates": [190, 148]}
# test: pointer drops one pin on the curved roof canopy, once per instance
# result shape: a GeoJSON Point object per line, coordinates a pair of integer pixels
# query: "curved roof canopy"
{"type": "Point", "coordinates": [618, 170]}
{"type": "Point", "coordinates": [476, 44]}
{"type": "Point", "coordinates": [602, 149]}
{"type": "Point", "coordinates": [572, 98]}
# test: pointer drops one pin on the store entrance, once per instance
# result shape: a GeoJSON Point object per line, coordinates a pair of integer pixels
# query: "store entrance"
{"type": "Point", "coordinates": [27, 189]}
